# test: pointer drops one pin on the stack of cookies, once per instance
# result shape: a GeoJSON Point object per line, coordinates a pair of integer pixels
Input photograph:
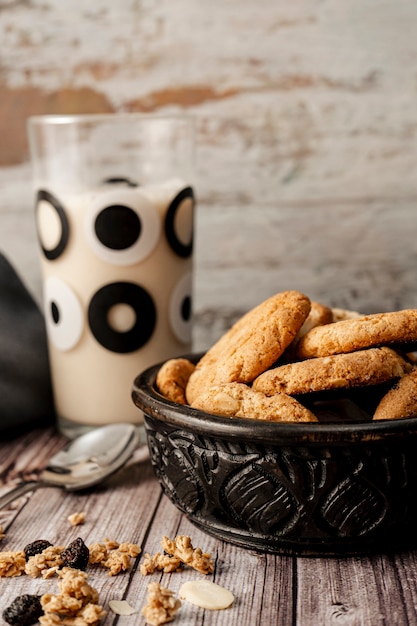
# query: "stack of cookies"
{"type": "Point", "coordinates": [294, 360]}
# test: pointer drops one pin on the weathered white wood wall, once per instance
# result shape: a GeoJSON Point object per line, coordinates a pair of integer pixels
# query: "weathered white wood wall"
{"type": "Point", "coordinates": [307, 134]}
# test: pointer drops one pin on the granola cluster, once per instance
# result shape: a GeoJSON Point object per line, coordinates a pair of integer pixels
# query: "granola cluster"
{"type": "Point", "coordinates": [182, 548]}
{"type": "Point", "coordinates": [76, 604]}
{"type": "Point", "coordinates": [160, 563]}
{"type": "Point", "coordinates": [177, 553]}
{"type": "Point", "coordinates": [12, 563]}
{"type": "Point", "coordinates": [76, 519]}
{"type": "Point", "coordinates": [161, 605]}
{"type": "Point", "coordinates": [113, 555]}
{"type": "Point", "coordinates": [46, 563]}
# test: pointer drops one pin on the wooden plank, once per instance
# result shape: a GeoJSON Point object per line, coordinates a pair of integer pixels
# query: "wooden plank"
{"type": "Point", "coordinates": [130, 507]}
{"type": "Point", "coordinates": [269, 589]}
{"type": "Point", "coordinates": [121, 509]}
{"type": "Point", "coordinates": [259, 582]}
{"type": "Point", "coordinates": [21, 459]}
{"type": "Point", "coordinates": [357, 591]}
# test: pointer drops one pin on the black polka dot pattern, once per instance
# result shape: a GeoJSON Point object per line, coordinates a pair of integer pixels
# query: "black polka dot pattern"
{"type": "Point", "coordinates": [180, 308]}
{"type": "Point", "coordinates": [54, 253]}
{"type": "Point", "coordinates": [63, 314]}
{"type": "Point", "coordinates": [117, 227]}
{"type": "Point", "coordinates": [122, 293]}
{"type": "Point", "coordinates": [180, 248]}
{"type": "Point", "coordinates": [186, 309]}
{"type": "Point", "coordinates": [117, 180]}
{"type": "Point", "coordinates": [55, 314]}
{"type": "Point", "coordinates": [122, 226]}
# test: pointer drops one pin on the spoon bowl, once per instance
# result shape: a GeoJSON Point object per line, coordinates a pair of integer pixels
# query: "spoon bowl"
{"type": "Point", "coordinates": [85, 461]}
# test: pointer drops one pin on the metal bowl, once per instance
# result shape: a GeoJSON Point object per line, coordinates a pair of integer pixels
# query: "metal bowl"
{"type": "Point", "coordinates": [305, 489]}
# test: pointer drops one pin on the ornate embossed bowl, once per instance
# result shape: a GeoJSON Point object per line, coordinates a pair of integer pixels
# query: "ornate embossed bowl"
{"type": "Point", "coordinates": [309, 489]}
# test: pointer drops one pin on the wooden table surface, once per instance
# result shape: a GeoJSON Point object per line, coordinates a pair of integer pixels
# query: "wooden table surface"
{"type": "Point", "coordinates": [269, 589]}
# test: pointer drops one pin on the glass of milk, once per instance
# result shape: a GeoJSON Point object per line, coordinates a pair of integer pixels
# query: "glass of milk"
{"type": "Point", "coordinates": [114, 207]}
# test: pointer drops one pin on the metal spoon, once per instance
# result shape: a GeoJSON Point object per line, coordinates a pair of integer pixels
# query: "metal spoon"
{"type": "Point", "coordinates": [84, 462]}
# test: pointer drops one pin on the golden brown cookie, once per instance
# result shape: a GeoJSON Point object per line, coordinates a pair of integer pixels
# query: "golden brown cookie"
{"type": "Point", "coordinates": [319, 315]}
{"type": "Point", "coordinates": [398, 328]}
{"type": "Point", "coordinates": [172, 379]}
{"type": "Point", "coordinates": [355, 369]}
{"type": "Point", "coordinates": [400, 401]}
{"type": "Point", "coordinates": [339, 315]}
{"type": "Point", "coordinates": [239, 400]}
{"type": "Point", "coordinates": [252, 345]}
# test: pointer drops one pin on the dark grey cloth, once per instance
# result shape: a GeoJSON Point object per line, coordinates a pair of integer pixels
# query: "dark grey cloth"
{"type": "Point", "coordinates": [25, 384]}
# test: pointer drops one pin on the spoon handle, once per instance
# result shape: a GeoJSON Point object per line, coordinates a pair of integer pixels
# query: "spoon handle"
{"type": "Point", "coordinates": [19, 490]}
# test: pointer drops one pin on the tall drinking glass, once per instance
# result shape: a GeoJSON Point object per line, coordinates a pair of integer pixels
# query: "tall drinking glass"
{"type": "Point", "coordinates": [114, 206]}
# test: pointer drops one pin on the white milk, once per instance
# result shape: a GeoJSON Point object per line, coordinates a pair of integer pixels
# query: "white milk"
{"type": "Point", "coordinates": [115, 303]}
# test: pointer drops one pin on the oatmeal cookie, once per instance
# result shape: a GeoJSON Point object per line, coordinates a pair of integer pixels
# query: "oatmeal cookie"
{"type": "Point", "coordinates": [172, 379]}
{"type": "Point", "coordinates": [239, 400]}
{"type": "Point", "coordinates": [356, 369]}
{"type": "Point", "coordinates": [398, 328]}
{"type": "Point", "coordinates": [253, 343]}
{"type": "Point", "coordinates": [400, 401]}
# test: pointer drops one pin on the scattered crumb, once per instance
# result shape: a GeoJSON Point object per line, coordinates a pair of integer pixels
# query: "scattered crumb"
{"type": "Point", "coordinates": [98, 553]}
{"type": "Point", "coordinates": [117, 562]}
{"type": "Point", "coordinates": [160, 562]}
{"type": "Point", "coordinates": [76, 603]}
{"type": "Point", "coordinates": [132, 549]}
{"type": "Point", "coordinates": [111, 544]}
{"type": "Point", "coordinates": [46, 563]}
{"type": "Point", "coordinates": [178, 552]}
{"type": "Point", "coordinates": [2, 533]}
{"type": "Point", "coordinates": [12, 563]}
{"type": "Point", "coordinates": [76, 519]}
{"type": "Point", "coordinates": [161, 605]}
{"type": "Point", "coordinates": [113, 555]}
{"type": "Point", "coordinates": [182, 548]}
{"type": "Point", "coordinates": [50, 573]}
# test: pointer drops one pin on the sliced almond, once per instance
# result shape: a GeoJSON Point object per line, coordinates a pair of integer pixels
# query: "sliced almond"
{"type": "Point", "coordinates": [206, 594]}
{"type": "Point", "coordinates": [121, 607]}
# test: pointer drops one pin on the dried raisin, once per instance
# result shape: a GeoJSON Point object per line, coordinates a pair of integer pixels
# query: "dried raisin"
{"type": "Point", "coordinates": [24, 611]}
{"type": "Point", "coordinates": [76, 555]}
{"type": "Point", "coordinates": [36, 547]}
